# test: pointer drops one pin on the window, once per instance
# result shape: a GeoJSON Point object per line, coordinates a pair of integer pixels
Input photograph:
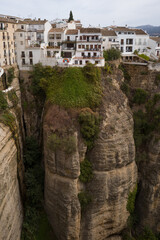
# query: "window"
{"type": "Point", "coordinates": [95, 54]}
{"type": "Point", "coordinates": [23, 61]}
{"type": "Point", "coordinates": [48, 54]}
{"type": "Point", "coordinates": [82, 54]}
{"type": "Point", "coordinates": [80, 62]}
{"type": "Point", "coordinates": [129, 41]}
{"type": "Point", "coordinates": [22, 26]}
{"type": "Point", "coordinates": [22, 54]}
{"type": "Point", "coordinates": [31, 61]}
{"type": "Point", "coordinates": [30, 54]}
{"type": "Point", "coordinates": [79, 46]}
{"type": "Point", "coordinates": [68, 38]}
{"type": "Point", "coordinates": [83, 46]}
{"type": "Point", "coordinates": [121, 49]}
{"type": "Point", "coordinates": [21, 35]}
{"type": "Point", "coordinates": [122, 41]}
{"type": "Point", "coordinates": [58, 36]}
{"type": "Point", "coordinates": [76, 62]}
{"type": "Point", "coordinates": [96, 62]}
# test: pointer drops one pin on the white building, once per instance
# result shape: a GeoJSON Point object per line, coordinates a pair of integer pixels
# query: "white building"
{"type": "Point", "coordinates": [110, 39]}
{"type": "Point", "coordinates": [31, 39]}
{"type": "Point", "coordinates": [154, 45]}
{"type": "Point", "coordinates": [89, 47]}
{"type": "Point", "coordinates": [129, 40]}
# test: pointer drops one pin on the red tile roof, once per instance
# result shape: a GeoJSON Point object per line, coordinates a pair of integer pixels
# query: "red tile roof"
{"type": "Point", "coordinates": [90, 30]}
{"type": "Point", "coordinates": [72, 32]}
{"type": "Point", "coordinates": [56, 30]}
{"type": "Point", "coordinates": [106, 32]}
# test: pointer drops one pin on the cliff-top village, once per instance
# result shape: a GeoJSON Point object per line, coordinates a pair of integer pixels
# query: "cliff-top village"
{"type": "Point", "coordinates": [66, 42]}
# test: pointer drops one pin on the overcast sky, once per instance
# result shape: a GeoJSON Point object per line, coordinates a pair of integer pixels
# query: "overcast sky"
{"type": "Point", "coordinates": [94, 12]}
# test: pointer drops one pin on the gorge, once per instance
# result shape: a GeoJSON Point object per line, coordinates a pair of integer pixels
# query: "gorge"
{"type": "Point", "coordinates": [96, 136]}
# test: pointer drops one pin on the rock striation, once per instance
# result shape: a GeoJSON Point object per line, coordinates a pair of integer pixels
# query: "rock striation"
{"type": "Point", "coordinates": [11, 214]}
{"type": "Point", "coordinates": [114, 170]}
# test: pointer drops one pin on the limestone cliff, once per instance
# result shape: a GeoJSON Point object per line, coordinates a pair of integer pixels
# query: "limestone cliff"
{"type": "Point", "coordinates": [114, 169]}
{"type": "Point", "coordinates": [10, 201]}
{"type": "Point", "coordinates": [11, 164]}
{"type": "Point", "coordinates": [148, 200]}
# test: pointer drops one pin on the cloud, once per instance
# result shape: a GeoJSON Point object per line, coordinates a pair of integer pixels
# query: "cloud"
{"type": "Point", "coordinates": [103, 12]}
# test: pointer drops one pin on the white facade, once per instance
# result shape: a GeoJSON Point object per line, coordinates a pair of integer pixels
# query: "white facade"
{"type": "Point", "coordinates": [154, 45]}
{"type": "Point", "coordinates": [89, 47]}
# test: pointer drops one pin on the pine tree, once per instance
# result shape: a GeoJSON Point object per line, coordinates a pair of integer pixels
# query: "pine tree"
{"type": "Point", "coordinates": [70, 16]}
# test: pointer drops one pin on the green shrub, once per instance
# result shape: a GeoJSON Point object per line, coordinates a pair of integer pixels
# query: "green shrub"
{"type": "Point", "coordinates": [86, 171]}
{"type": "Point", "coordinates": [140, 96]}
{"type": "Point", "coordinates": [34, 180]}
{"type": "Point", "coordinates": [84, 199]}
{"type": "Point", "coordinates": [147, 235]}
{"type": "Point", "coordinates": [68, 87]}
{"type": "Point", "coordinates": [67, 144]}
{"type": "Point", "coordinates": [145, 57]}
{"type": "Point", "coordinates": [127, 77]}
{"type": "Point", "coordinates": [125, 88]}
{"type": "Point", "coordinates": [89, 127]}
{"type": "Point", "coordinates": [111, 54]}
{"type": "Point", "coordinates": [10, 75]}
{"type": "Point", "coordinates": [131, 200]}
{"type": "Point", "coordinates": [3, 102]}
{"type": "Point", "coordinates": [13, 97]}
{"type": "Point", "coordinates": [157, 79]}
{"type": "Point", "coordinates": [9, 120]}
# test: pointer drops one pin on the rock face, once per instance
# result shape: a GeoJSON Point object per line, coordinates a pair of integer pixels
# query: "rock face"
{"type": "Point", "coordinates": [148, 200]}
{"type": "Point", "coordinates": [10, 203]}
{"type": "Point", "coordinates": [114, 169]}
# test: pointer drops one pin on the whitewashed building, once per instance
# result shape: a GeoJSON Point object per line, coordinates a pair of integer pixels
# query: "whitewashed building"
{"type": "Point", "coordinates": [154, 45]}
{"type": "Point", "coordinates": [89, 47]}
{"type": "Point", "coordinates": [109, 39]}
{"type": "Point", "coordinates": [31, 39]}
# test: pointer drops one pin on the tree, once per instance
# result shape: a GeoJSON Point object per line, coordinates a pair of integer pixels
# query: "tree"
{"type": "Point", "coordinates": [111, 54]}
{"type": "Point", "coordinates": [70, 16]}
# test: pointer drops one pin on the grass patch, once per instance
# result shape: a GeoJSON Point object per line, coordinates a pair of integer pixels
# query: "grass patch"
{"type": "Point", "coordinates": [68, 87]}
{"type": "Point", "coordinates": [10, 75]}
{"type": "Point", "coordinates": [3, 102]}
{"type": "Point", "coordinates": [67, 144]}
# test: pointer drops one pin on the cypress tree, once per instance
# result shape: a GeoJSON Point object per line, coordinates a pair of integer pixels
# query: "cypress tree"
{"type": "Point", "coordinates": [70, 16]}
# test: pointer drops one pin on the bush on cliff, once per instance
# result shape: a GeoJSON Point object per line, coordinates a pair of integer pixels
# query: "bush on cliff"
{"type": "Point", "coordinates": [111, 54]}
{"type": "Point", "coordinates": [140, 96]}
{"type": "Point", "coordinates": [89, 126]}
{"type": "Point", "coordinates": [10, 75]}
{"type": "Point", "coordinates": [3, 102]}
{"type": "Point", "coordinates": [68, 87]}
{"type": "Point", "coordinates": [84, 199]}
{"type": "Point", "coordinates": [86, 171]}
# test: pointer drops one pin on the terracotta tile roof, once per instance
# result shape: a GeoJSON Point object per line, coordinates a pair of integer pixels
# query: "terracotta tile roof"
{"type": "Point", "coordinates": [156, 39]}
{"type": "Point", "coordinates": [140, 32]}
{"type": "Point", "coordinates": [20, 30]}
{"type": "Point", "coordinates": [90, 30]}
{"type": "Point", "coordinates": [56, 30]}
{"type": "Point", "coordinates": [7, 20]}
{"type": "Point", "coordinates": [72, 32]}
{"type": "Point", "coordinates": [122, 29]}
{"type": "Point", "coordinates": [106, 32]}
{"type": "Point", "coordinates": [53, 25]}
{"type": "Point", "coordinates": [33, 22]}
{"type": "Point", "coordinates": [78, 21]}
